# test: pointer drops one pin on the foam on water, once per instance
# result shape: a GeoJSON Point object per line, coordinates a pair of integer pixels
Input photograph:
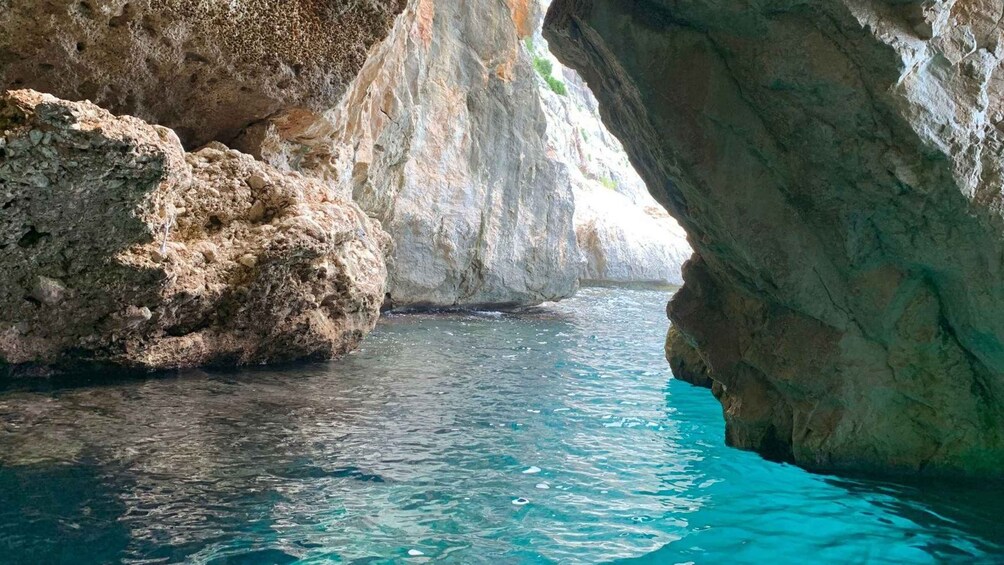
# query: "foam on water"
{"type": "Point", "coordinates": [418, 448]}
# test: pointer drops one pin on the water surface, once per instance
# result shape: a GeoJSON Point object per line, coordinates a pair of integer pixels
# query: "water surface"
{"type": "Point", "coordinates": [550, 436]}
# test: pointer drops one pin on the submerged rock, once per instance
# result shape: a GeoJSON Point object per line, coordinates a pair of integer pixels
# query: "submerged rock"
{"type": "Point", "coordinates": [837, 166]}
{"type": "Point", "coordinates": [206, 69]}
{"type": "Point", "coordinates": [119, 249]}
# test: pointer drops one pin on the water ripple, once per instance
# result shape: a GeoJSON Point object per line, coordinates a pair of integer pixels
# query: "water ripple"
{"type": "Point", "coordinates": [549, 436]}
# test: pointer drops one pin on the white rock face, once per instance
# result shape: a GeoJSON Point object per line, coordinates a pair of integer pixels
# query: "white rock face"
{"type": "Point", "coordinates": [625, 236]}
{"type": "Point", "coordinates": [495, 190]}
{"type": "Point", "coordinates": [441, 138]}
{"type": "Point", "coordinates": [625, 243]}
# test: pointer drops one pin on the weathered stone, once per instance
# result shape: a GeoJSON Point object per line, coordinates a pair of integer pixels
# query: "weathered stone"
{"type": "Point", "coordinates": [837, 165]}
{"type": "Point", "coordinates": [624, 235]}
{"type": "Point", "coordinates": [208, 69]}
{"type": "Point", "coordinates": [48, 291]}
{"type": "Point", "coordinates": [623, 242]}
{"type": "Point", "coordinates": [442, 138]}
{"type": "Point", "coordinates": [101, 268]}
{"type": "Point", "coordinates": [685, 360]}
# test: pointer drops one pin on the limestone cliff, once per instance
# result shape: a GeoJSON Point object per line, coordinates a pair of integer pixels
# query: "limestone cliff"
{"type": "Point", "coordinates": [442, 138]}
{"type": "Point", "coordinates": [837, 165]}
{"type": "Point", "coordinates": [119, 249]}
{"type": "Point", "coordinates": [486, 179]}
{"type": "Point", "coordinates": [624, 235]}
{"type": "Point", "coordinates": [207, 69]}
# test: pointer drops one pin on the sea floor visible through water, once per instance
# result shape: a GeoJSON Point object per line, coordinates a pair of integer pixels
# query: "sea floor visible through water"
{"type": "Point", "coordinates": [553, 435]}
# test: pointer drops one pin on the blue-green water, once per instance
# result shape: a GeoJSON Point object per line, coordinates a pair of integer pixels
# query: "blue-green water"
{"type": "Point", "coordinates": [422, 441]}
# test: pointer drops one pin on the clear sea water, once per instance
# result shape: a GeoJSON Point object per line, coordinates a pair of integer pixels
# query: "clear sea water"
{"type": "Point", "coordinates": [550, 436]}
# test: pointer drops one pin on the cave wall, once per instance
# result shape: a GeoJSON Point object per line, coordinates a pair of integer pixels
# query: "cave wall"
{"type": "Point", "coordinates": [837, 167]}
{"type": "Point", "coordinates": [624, 235]}
{"type": "Point", "coordinates": [207, 69]}
{"type": "Point", "coordinates": [442, 138]}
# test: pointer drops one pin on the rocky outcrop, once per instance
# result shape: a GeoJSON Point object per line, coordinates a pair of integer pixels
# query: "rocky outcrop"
{"type": "Point", "coordinates": [686, 361]}
{"type": "Point", "coordinates": [119, 249]}
{"type": "Point", "coordinates": [206, 69]}
{"type": "Point", "coordinates": [837, 165]}
{"type": "Point", "coordinates": [442, 138]}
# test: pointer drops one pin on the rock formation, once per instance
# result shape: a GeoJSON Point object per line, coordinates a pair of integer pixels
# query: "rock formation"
{"type": "Point", "coordinates": [624, 235]}
{"type": "Point", "coordinates": [686, 361]}
{"type": "Point", "coordinates": [206, 69]}
{"type": "Point", "coordinates": [486, 180]}
{"type": "Point", "coordinates": [624, 243]}
{"type": "Point", "coordinates": [442, 138]}
{"type": "Point", "coordinates": [837, 165]}
{"type": "Point", "coordinates": [118, 249]}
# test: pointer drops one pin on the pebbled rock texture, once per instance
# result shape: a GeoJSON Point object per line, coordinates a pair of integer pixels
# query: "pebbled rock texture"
{"type": "Point", "coordinates": [837, 165]}
{"type": "Point", "coordinates": [121, 250]}
{"type": "Point", "coordinates": [208, 69]}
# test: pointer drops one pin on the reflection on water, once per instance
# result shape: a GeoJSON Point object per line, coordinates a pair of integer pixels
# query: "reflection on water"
{"type": "Point", "coordinates": [423, 441]}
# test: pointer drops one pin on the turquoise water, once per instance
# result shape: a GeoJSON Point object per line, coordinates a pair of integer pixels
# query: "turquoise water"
{"type": "Point", "coordinates": [552, 436]}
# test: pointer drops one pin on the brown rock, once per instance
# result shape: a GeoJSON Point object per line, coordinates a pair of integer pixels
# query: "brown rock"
{"type": "Point", "coordinates": [837, 167]}
{"type": "Point", "coordinates": [686, 360]}
{"type": "Point", "coordinates": [152, 289]}
{"type": "Point", "coordinates": [206, 69]}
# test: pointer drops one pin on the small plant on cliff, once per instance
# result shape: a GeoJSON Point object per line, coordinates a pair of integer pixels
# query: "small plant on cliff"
{"type": "Point", "coordinates": [545, 68]}
{"type": "Point", "coordinates": [609, 183]}
{"type": "Point", "coordinates": [557, 86]}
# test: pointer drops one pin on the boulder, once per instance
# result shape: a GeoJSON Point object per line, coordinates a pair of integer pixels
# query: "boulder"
{"type": "Point", "coordinates": [121, 250]}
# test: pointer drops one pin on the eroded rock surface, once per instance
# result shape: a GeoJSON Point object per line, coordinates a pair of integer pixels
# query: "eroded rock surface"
{"type": "Point", "coordinates": [624, 235]}
{"type": "Point", "coordinates": [442, 138]}
{"type": "Point", "coordinates": [207, 69]}
{"type": "Point", "coordinates": [685, 360]}
{"type": "Point", "coordinates": [119, 249]}
{"type": "Point", "coordinates": [837, 165]}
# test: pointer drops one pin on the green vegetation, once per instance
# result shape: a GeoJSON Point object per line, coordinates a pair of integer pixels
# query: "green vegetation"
{"type": "Point", "coordinates": [544, 68]}
{"type": "Point", "coordinates": [609, 183]}
{"type": "Point", "coordinates": [557, 86]}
